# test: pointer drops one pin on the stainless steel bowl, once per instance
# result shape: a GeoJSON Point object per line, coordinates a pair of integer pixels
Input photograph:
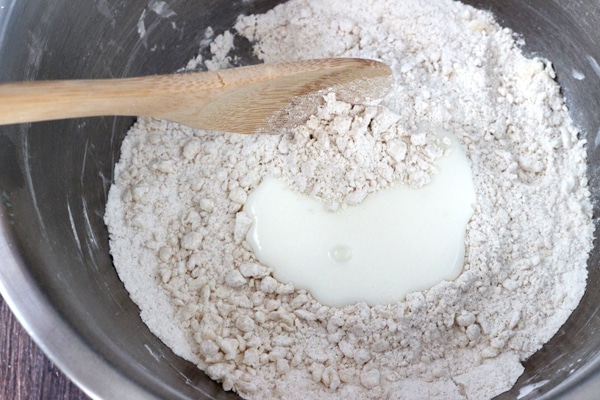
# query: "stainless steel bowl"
{"type": "Point", "coordinates": [56, 273]}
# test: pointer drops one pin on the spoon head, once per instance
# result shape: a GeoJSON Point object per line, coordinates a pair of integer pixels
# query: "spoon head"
{"type": "Point", "coordinates": [269, 98]}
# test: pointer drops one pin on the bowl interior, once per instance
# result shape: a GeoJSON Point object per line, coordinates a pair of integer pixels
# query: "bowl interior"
{"type": "Point", "coordinates": [55, 177]}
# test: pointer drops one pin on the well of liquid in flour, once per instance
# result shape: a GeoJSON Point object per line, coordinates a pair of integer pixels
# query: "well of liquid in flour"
{"type": "Point", "coordinates": [395, 242]}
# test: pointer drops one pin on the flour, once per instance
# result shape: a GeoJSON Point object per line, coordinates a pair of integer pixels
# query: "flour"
{"type": "Point", "coordinates": [177, 225]}
{"type": "Point", "coordinates": [366, 151]}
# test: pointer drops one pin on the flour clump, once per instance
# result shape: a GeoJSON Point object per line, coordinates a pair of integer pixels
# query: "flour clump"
{"type": "Point", "coordinates": [177, 224]}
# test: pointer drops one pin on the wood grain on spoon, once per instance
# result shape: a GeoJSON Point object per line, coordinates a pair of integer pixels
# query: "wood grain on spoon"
{"type": "Point", "coordinates": [235, 100]}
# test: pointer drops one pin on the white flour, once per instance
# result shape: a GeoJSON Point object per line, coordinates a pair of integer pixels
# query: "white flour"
{"type": "Point", "coordinates": [177, 226]}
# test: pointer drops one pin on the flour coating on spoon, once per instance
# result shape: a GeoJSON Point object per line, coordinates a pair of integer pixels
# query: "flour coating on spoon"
{"type": "Point", "coordinates": [177, 226]}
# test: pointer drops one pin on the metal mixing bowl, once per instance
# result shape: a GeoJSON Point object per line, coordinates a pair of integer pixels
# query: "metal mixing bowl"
{"type": "Point", "coordinates": [56, 273]}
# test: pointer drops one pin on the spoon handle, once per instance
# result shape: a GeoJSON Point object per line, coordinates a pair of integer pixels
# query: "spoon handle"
{"type": "Point", "coordinates": [50, 100]}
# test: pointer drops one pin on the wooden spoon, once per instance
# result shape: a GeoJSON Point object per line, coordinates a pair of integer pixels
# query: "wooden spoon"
{"type": "Point", "coordinates": [243, 100]}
